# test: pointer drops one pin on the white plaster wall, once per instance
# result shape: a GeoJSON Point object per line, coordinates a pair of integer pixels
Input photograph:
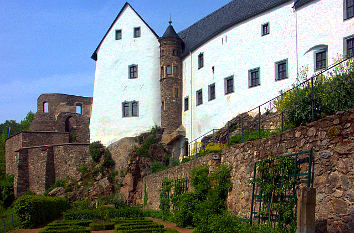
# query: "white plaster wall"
{"type": "Point", "coordinates": [320, 22]}
{"type": "Point", "coordinates": [112, 85]}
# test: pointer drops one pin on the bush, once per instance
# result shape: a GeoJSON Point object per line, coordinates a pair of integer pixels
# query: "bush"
{"type": "Point", "coordinates": [331, 94]}
{"type": "Point", "coordinates": [6, 191]}
{"type": "Point", "coordinates": [129, 212]}
{"type": "Point", "coordinates": [144, 149]}
{"type": "Point", "coordinates": [108, 162]}
{"type": "Point", "coordinates": [58, 183]}
{"type": "Point", "coordinates": [185, 209]}
{"type": "Point", "coordinates": [36, 210]}
{"type": "Point", "coordinates": [96, 149]}
{"type": "Point", "coordinates": [156, 166]}
{"type": "Point", "coordinates": [83, 214]}
{"type": "Point", "coordinates": [153, 213]}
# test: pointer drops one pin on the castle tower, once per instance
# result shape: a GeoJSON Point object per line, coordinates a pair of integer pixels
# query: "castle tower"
{"type": "Point", "coordinates": [171, 80]}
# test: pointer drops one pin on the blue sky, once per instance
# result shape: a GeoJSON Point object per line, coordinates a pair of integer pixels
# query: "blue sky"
{"type": "Point", "coordinates": [45, 46]}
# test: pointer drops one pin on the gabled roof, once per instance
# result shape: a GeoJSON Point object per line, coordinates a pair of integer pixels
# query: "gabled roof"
{"type": "Point", "coordinates": [232, 13]}
{"type": "Point", "coordinates": [94, 55]}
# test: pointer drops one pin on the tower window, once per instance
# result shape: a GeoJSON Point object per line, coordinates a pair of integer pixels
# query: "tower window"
{"type": "Point", "coordinates": [174, 52]}
{"type": "Point", "coordinates": [186, 103]}
{"type": "Point", "coordinates": [130, 109]}
{"type": "Point", "coordinates": [118, 34]}
{"type": "Point", "coordinates": [199, 97]}
{"type": "Point", "coordinates": [200, 60]}
{"type": "Point", "coordinates": [265, 29]}
{"type": "Point", "coordinates": [348, 9]}
{"type": "Point", "coordinates": [137, 32]}
{"type": "Point", "coordinates": [163, 105]}
{"type": "Point", "coordinates": [45, 107]}
{"type": "Point", "coordinates": [176, 94]}
{"type": "Point", "coordinates": [175, 70]}
{"type": "Point", "coordinates": [78, 109]}
{"type": "Point", "coordinates": [168, 70]}
{"type": "Point", "coordinates": [211, 93]}
{"type": "Point", "coordinates": [253, 78]}
{"type": "Point", "coordinates": [162, 71]}
{"type": "Point", "coordinates": [229, 85]}
{"type": "Point", "coordinates": [133, 71]}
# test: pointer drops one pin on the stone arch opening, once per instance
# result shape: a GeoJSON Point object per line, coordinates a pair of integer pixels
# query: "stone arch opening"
{"type": "Point", "coordinates": [70, 125]}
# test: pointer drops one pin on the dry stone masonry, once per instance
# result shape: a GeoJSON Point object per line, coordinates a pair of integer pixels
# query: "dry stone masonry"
{"type": "Point", "coordinates": [331, 140]}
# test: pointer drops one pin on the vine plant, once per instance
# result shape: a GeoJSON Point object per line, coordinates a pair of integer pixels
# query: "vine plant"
{"type": "Point", "coordinates": [277, 182]}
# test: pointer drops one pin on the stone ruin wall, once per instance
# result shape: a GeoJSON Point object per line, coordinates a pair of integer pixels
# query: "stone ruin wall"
{"type": "Point", "coordinates": [331, 140]}
{"type": "Point", "coordinates": [36, 168]}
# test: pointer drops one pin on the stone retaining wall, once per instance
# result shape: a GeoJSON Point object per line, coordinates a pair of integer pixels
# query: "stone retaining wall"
{"type": "Point", "coordinates": [331, 140]}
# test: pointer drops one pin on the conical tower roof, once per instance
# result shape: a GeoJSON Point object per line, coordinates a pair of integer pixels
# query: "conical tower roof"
{"type": "Point", "coordinates": [170, 32]}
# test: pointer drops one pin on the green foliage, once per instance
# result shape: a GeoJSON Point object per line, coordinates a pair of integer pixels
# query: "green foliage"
{"type": "Point", "coordinates": [250, 135]}
{"type": "Point", "coordinates": [200, 181]}
{"type": "Point", "coordinates": [82, 204]}
{"type": "Point", "coordinates": [156, 166]}
{"type": "Point", "coordinates": [103, 214]}
{"type": "Point", "coordinates": [144, 149]}
{"type": "Point", "coordinates": [14, 129]}
{"type": "Point", "coordinates": [58, 183]}
{"type": "Point", "coordinates": [145, 195]}
{"type": "Point", "coordinates": [276, 179]}
{"type": "Point", "coordinates": [96, 149]}
{"type": "Point", "coordinates": [67, 226]}
{"type": "Point", "coordinates": [165, 192]}
{"type": "Point", "coordinates": [83, 169]}
{"type": "Point", "coordinates": [36, 210]}
{"type": "Point", "coordinates": [153, 213]}
{"type": "Point", "coordinates": [6, 191]}
{"type": "Point", "coordinates": [332, 93]}
{"type": "Point", "coordinates": [108, 162]}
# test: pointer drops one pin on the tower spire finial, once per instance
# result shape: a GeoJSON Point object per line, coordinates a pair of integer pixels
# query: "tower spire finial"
{"type": "Point", "coordinates": [170, 22]}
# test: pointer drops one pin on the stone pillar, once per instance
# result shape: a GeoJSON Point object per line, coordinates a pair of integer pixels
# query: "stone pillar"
{"type": "Point", "coordinates": [306, 203]}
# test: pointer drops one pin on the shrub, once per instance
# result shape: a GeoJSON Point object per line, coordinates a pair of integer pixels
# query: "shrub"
{"type": "Point", "coordinates": [36, 210]}
{"type": "Point", "coordinates": [331, 94]}
{"type": "Point", "coordinates": [156, 166]}
{"type": "Point", "coordinates": [6, 191]}
{"type": "Point", "coordinates": [83, 214]}
{"type": "Point", "coordinates": [58, 183]}
{"type": "Point", "coordinates": [108, 162]}
{"type": "Point", "coordinates": [128, 212]}
{"type": "Point", "coordinates": [144, 149]}
{"type": "Point", "coordinates": [153, 213]}
{"type": "Point", "coordinates": [185, 209]}
{"type": "Point", "coordinates": [96, 149]}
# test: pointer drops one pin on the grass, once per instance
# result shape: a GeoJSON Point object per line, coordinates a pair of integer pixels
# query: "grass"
{"type": "Point", "coordinates": [250, 135]}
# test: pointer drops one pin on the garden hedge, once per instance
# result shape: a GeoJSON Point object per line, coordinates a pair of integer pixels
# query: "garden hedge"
{"type": "Point", "coordinates": [36, 210]}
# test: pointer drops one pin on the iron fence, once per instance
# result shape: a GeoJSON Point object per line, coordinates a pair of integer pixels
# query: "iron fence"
{"type": "Point", "coordinates": [259, 122]}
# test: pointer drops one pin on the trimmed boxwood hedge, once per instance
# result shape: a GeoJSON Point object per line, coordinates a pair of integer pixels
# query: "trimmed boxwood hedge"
{"type": "Point", "coordinates": [101, 214]}
{"type": "Point", "coordinates": [36, 210]}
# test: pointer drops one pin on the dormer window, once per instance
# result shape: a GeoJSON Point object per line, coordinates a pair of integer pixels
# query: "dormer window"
{"type": "Point", "coordinates": [137, 32]}
{"type": "Point", "coordinates": [118, 34]}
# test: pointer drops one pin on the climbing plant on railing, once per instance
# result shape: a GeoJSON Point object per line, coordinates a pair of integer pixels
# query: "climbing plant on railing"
{"type": "Point", "coordinates": [165, 194]}
{"type": "Point", "coordinates": [277, 181]}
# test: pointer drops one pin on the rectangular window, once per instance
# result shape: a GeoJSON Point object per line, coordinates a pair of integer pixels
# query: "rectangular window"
{"type": "Point", "coordinates": [78, 109]}
{"type": "Point", "coordinates": [348, 9]}
{"type": "Point", "coordinates": [168, 70]}
{"type": "Point", "coordinates": [133, 71]}
{"type": "Point", "coordinates": [135, 108]}
{"type": "Point", "coordinates": [320, 60]}
{"type": "Point", "coordinates": [229, 85]}
{"type": "Point", "coordinates": [253, 78]}
{"type": "Point", "coordinates": [281, 70]}
{"type": "Point", "coordinates": [211, 93]}
{"type": "Point", "coordinates": [200, 60]}
{"type": "Point", "coordinates": [118, 34]}
{"type": "Point", "coordinates": [137, 32]}
{"type": "Point", "coordinates": [199, 97]}
{"type": "Point", "coordinates": [175, 70]}
{"type": "Point", "coordinates": [186, 103]}
{"type": "Point", "coordinates": [162, 71]}
{"type": "Point", "coordinates": [130, 109]}
{"type": "Point", "coordinates": [265, 29]}
{"type": "Point", "coordinates": [349, 47]}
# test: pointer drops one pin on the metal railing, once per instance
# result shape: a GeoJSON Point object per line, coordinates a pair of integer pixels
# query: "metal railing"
{"type": "Point", "coordinates": [259, 122]}
{"type": "Point", "coordinates": [8, 222]}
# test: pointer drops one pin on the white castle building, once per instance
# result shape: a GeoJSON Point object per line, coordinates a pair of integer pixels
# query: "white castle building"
{"type": "Point", "coordinates": [232, 60]}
